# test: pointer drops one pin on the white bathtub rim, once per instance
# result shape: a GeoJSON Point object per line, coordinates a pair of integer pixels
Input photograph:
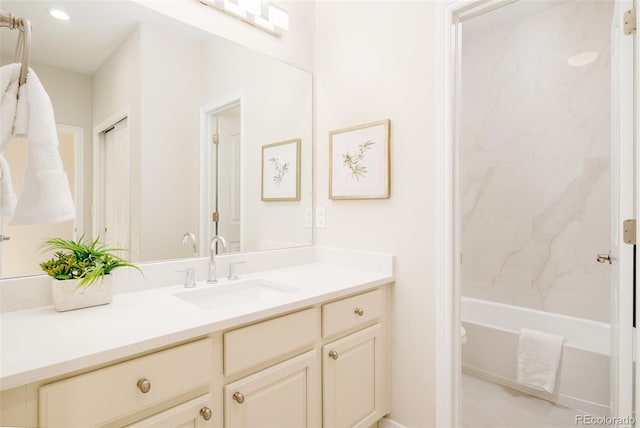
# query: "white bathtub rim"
{"type": "Point", "coordinates": [597, 338]}
{"type": "Point", "coordinates": [516, 332]}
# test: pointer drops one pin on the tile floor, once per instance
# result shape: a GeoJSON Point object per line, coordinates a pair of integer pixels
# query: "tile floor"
{"type": "Point", "coordinates": [486, 404]}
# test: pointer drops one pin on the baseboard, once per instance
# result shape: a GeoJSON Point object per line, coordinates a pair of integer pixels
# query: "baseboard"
{"type": "Point", "coordinates": [389, 423]}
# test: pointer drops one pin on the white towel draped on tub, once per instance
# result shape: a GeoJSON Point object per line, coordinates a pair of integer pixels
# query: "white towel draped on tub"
{"type": "Point", "coordinates": [539, 356]}
{"type": "Point", "coordinates": [26, 112]}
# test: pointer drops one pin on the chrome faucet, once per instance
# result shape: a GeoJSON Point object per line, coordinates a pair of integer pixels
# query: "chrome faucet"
{"type": "Point", "coordinates": [190, 236]}
{"type": "Point", "coordinates": [212, 278]}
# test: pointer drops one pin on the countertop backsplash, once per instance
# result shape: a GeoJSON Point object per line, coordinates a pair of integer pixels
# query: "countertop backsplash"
{"type": "Point", "coordinates": [35, 291]}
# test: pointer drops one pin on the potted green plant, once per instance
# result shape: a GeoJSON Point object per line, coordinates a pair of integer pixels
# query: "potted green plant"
{"type": "Point", "coordinates": [80, 272]}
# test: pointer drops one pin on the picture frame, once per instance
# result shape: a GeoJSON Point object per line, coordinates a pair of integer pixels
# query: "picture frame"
{"type": "Point", "coordinates": [359, 162]}
{"type": "Point", "coordinates": [281, 171]}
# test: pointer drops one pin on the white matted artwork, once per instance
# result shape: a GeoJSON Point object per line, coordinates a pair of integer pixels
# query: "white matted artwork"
{"type": "Point", "coordinates": [281, 171]}
{"type": "Point", "coordinates": [359, 162]}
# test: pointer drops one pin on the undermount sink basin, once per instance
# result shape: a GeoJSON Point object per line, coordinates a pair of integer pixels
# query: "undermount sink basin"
{"type": "Point", "coordinates": [213, 297]}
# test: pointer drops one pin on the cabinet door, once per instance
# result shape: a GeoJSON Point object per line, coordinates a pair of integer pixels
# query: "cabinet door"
{"type": "Point", "coordinates": [353, 379]}
{"type": "Point", "coordinates": [196, 413]}
{"type": "Point", "coordinates": [285, 395]}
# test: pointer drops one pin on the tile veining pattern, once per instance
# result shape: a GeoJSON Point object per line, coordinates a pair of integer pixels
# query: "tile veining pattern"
{"type": "Point", "coordinates": [534, 157]}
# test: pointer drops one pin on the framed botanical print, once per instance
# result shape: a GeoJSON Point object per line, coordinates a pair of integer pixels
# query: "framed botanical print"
{"type": "Point", "coordinates": [281, 171]}
{"type": "Point", "coordinates": [359, 162]}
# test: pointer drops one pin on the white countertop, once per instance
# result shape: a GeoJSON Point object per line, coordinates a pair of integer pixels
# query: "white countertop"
{"type": "Point", "coordinates": [40, 343]}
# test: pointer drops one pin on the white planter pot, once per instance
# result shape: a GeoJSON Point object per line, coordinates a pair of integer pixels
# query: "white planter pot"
{"type": "Point", "coordinates": [66, 295]}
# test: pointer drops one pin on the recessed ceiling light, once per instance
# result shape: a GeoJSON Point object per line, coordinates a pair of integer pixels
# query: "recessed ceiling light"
{"type": "Point", "coordinates": [58, 14]}
{"type": "Point", "coordinates": [583, 58]}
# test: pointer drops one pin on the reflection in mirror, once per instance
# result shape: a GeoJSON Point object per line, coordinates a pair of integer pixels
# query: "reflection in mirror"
{"type": "Point", "coordinates": [161, 129]}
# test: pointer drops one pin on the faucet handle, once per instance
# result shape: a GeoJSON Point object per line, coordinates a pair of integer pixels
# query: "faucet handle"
{"type": "Point", "coordinates": [189, 280]}
{"type": "Point", "coordinates": [232, 276]}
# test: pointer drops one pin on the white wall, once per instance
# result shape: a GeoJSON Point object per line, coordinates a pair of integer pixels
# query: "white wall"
{"type": "Point", "coordinates": [116, 85]}
{"type": "Point", "coordinates": [163, 127]}
{"type": "Point", "coordinates": [169, 141]}
{"type": "Point", "coordinates": [295, 46]}
{"type": "Point", "coordinates": [377, 60]}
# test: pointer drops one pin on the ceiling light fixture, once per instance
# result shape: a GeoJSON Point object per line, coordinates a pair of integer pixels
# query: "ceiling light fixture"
{"type": "Point", "coordinates": [58, 14]}
{"type": "Point", "coordinates": [261, 14]}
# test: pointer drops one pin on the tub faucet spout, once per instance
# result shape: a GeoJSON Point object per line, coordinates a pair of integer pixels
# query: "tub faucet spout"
{"type": "Point", "coordinates": [212, 278]}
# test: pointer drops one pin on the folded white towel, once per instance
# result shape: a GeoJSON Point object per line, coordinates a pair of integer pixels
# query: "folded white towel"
{"type": "Point", "coordinates": [8, 107]}
{"type": "Point", "coordinates": [539, 356]}
{"type": "Point", "coordinates": [27, 112]}
{"type": "Point", "coordinates": [9, 75]}
{"type": "Point", "coordinates": [8, 198]}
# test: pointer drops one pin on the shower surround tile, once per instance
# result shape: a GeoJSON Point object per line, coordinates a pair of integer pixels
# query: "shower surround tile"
{"type": "Point", "coordinates": [534, 157]}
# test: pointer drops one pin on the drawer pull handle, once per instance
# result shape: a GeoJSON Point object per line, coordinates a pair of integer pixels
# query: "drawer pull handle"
{"type": "Point", "coordinates": [333, 355]}
{"type": "Point", "coordinates": [206, 413]}
{"type": "Point", "coordinates": [144, 385]}
{"type": "Point", "coordinates": [359, 312]}
{"type": "Point", "coordinates": [238, 397]}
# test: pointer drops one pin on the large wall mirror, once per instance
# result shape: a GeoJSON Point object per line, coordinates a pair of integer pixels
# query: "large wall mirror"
{"type": "Point", "coordinates": [161, 129]}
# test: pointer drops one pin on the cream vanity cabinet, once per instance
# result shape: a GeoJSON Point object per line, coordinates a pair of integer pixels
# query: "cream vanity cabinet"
{"type": "Point", "coordinates": [325, 365]}
{"type": "Point", "coordinates": [272, 373]}
{"type": "Point", "coordinates": [355, 371]}
{"type": "Point", "coordinates": [349, 351]}
{"type": "Point", "coordinates": [162, 382]}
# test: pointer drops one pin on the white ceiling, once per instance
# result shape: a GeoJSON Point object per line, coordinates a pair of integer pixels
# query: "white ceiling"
{"type": "Point", "coordinates": [95, 30]}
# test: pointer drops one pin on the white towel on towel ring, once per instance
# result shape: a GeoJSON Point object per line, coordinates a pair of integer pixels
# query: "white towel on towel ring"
{"type": "Point", "coordinates": [27, 112]}
{"type": "Point", "coordinates": [539, 356]}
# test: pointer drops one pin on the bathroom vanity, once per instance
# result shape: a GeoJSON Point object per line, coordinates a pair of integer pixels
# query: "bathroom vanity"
{"type": "Point", "coordinates": [314, 354]}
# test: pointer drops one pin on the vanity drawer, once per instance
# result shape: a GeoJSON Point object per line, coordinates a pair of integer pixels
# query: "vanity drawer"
{"type": "Point", "coordinates": [351, 312]}
{"type": "Point", "coordinates": [113, 392]}
{"type": "Point", "coordinates": [259, 343]}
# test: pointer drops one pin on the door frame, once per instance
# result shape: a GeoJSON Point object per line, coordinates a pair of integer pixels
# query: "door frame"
{"type": "Point", "coordinates": [206, 153]}
{"type": "Point", "coordinates": [78, 182]}
{"type": "Point", "coordinates": [447, 290]}
{"type": "Point", "coordinates": [447, 293]}
{"type": "Point", "coordinates": [98, 196]}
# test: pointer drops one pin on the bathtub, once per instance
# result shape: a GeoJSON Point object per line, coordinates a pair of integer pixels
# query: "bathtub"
{"type": "Point", "coordinates": [492, 341]}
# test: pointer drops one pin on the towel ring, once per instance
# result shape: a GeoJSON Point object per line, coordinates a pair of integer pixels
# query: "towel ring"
{"type": "Point", "coordinates": [23, 48]}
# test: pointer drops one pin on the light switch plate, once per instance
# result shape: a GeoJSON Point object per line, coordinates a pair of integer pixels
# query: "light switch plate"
{"type": "Point", "coordinates": [321, 218]}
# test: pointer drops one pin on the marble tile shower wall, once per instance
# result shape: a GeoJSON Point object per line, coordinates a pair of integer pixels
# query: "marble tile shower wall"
{"type": "Point", "coordinates": [534, 158]}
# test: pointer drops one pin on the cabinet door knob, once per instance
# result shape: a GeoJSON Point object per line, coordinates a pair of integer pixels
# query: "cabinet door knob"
{"type": "Point", "coordinates": [238, 397]}
{"type": "Point", "coordinates": [333, 355]}
{"type": "Point", "coordinates": [206, 413]}
{"type": "Point", "coordinates": [359, 312]}
{"type": "Point", "coordinates": [144, 385]}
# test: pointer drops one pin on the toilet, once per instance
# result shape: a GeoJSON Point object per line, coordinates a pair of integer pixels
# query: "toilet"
{"type": "Point", "coordinates": [463, 335]}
